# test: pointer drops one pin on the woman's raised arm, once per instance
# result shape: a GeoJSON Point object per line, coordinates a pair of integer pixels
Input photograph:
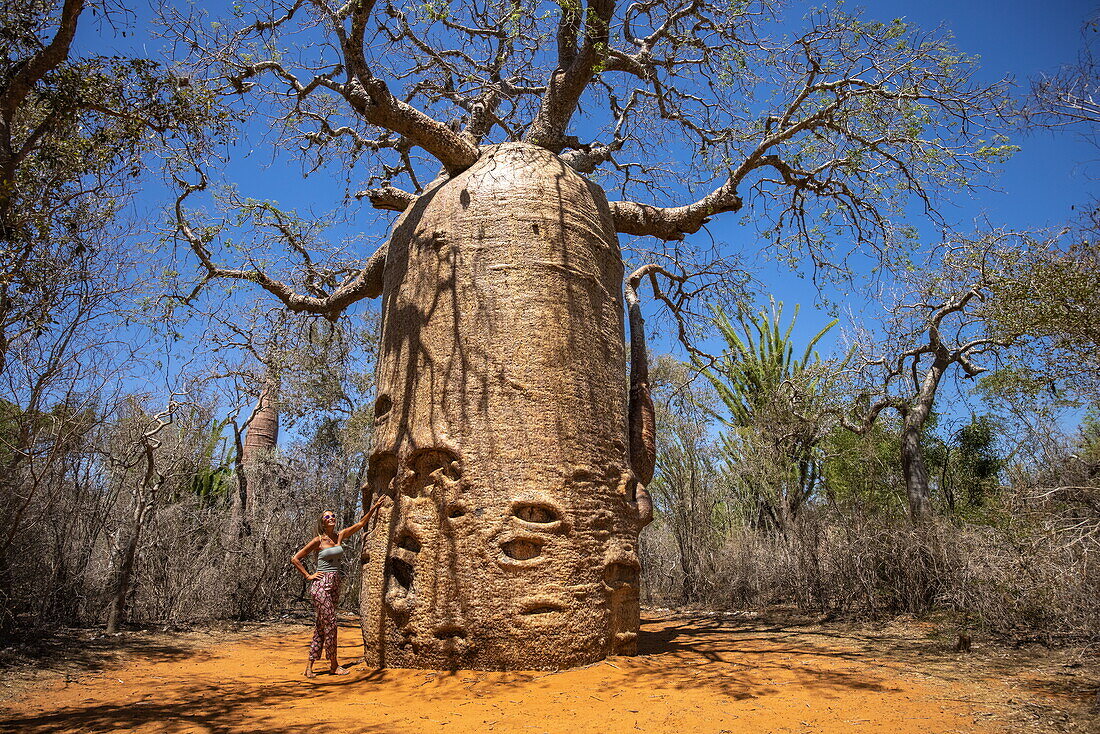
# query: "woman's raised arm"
{"type": "Point", "coordinates": [353, 529]}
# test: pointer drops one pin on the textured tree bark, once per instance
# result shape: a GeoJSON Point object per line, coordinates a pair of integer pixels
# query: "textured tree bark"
{"type": "Point", "coordinates": [913, 418]}
{"type": "Point", "coordinates": [501, 428]}
{"type": "Point", "coordinates": [642, 420]}
{"type": "Point", "coordinates": [262, 435]}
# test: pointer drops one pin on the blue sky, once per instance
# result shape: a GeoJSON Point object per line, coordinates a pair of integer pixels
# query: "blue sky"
{"type": "Point", "coordinates": [1020, 39]}
{"type": "Point", "coordinates": [1015, 39]}
{"type": "Point", "coordinates": [1052, 172]}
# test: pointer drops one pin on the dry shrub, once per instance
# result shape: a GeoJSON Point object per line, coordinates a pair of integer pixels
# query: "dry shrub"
{"type": "Point", "coordinates": [195, 563]}
{"type": "Point", "coordinates": [203, 567]}
{"type": "Point", "coordinates": [1025, 579]}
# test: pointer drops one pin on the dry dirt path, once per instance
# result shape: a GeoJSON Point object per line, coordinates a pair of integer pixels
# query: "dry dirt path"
{"type": "Point", "coordinates": [696, 673]}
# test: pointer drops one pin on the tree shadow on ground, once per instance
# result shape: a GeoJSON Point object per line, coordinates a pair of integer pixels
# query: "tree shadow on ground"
{"type": "Point", "coordinates": [90, 651]}
{"type": "Point", "coordinates": [735, 658]}
{"type": "Point", "coordinates": [198, 707]}
{"type": "Point", "coordinates": [670, 643]}
{"type": "Point", "coordinates": [188, 704]}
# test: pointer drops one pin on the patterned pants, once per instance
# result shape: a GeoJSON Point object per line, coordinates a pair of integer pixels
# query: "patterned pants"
{"type": "Point", "coordinates": [325, 593]}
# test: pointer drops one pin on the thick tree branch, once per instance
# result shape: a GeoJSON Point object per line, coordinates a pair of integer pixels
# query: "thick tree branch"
{"type": "Point", "coordinates": [673, 223]}
{"type": "Point", "coordinates": [860, 422]}
{"type": "Point", "coordinates": [388, 198]}
{"type": "Point", "coordinates": [371, 98]}
{"type": "Point", "coordinates": [30, 71]}
{"type": "Point", "coordinates": [642, 423]}
{"type": "Point", "coordinates": [573, 73]}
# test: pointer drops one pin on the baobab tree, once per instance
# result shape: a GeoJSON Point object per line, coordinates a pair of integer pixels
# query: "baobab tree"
{"type": "Point", "coordinates": [497, 130]}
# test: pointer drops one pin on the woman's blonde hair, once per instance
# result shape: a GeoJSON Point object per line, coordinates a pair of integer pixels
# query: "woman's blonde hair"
{"type": "Point", "coordinates": [321, 522]}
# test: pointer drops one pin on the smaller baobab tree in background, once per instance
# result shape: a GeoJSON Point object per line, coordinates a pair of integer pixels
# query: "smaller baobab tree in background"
{"type": "Point", "coordinates": [287, 370]}
{"type": "Point", "coordinates": [777, 412]}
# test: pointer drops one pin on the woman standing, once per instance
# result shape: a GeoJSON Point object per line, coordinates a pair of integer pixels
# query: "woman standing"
{"type": "Point", "coordinates": [325, 592]}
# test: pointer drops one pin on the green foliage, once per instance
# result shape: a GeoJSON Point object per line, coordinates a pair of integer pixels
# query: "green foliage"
{"type": "Point", "coordinates": [325, 367]}
{"type": "Point", "coordinates": [759, 361]}
{"type": "Point", "coordinates": [76, 138]}
{"type": "Point", "coordinates": [964, 465]}
{"type": "Point", "coordinates": [976, 464]}
{"type": "Point", "coordinates": [862, 473]}
{"type": "Point", "coordinates": [82, 132]}
{"type": "Point", "coordinates": [776, 411]}
{"type": "Point", "coordinates": [1089, 439]}
{"type": "Point", "coordinates": [213, 480]}
{"type": "Point", "coordinates": [1049, 291]}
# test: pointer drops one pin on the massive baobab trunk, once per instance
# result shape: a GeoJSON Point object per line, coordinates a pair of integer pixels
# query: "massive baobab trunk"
{"type": "Point", "coordinates": [501, 428]}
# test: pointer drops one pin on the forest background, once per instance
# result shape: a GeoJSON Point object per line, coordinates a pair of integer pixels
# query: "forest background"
{"type": "Point", "coordinates": [802, 462]}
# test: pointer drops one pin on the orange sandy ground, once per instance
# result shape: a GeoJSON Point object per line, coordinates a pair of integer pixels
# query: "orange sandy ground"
{"type": "Point", "coordinates": [695, 674]}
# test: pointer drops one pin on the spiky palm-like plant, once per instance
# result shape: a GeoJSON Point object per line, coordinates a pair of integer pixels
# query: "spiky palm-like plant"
{"type": "Point", "coordinates": [775, 412]}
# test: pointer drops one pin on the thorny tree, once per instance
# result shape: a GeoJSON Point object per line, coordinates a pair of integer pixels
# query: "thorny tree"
{"type": "Point", "coordinates": [685, 110]}
{"type": "Point", "coordinates": [73, 133]}
{"type": "Point", "coordinates": [947, 324]}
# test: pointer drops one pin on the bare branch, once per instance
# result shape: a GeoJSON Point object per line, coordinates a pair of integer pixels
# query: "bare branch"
{"type": "Point", "coordinates": [366, 283]}
{"type": "Point", "coordinates": [371, 98]}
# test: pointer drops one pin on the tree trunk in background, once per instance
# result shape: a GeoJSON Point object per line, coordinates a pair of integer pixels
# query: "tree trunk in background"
{"type": "Point", "coordinates": [501, 428]}
{"type": "Point", "coordinates": [915, 471]}
{"type": "Point", "coordinates": [125, 555]}
{"type": "Point", "coordinates": [126, 548]}
{"type": "Point", "coordinates": [260, 440]}
{"type": "Point", "coordinates": [262, 434]}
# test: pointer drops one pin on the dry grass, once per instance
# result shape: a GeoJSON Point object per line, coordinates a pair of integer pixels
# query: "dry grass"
{"type": "Point", "coordinates": [1024, 581]}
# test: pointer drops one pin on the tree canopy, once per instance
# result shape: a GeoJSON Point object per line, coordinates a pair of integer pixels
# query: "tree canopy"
{"type": "Point", "coordinates": [828, 128]}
